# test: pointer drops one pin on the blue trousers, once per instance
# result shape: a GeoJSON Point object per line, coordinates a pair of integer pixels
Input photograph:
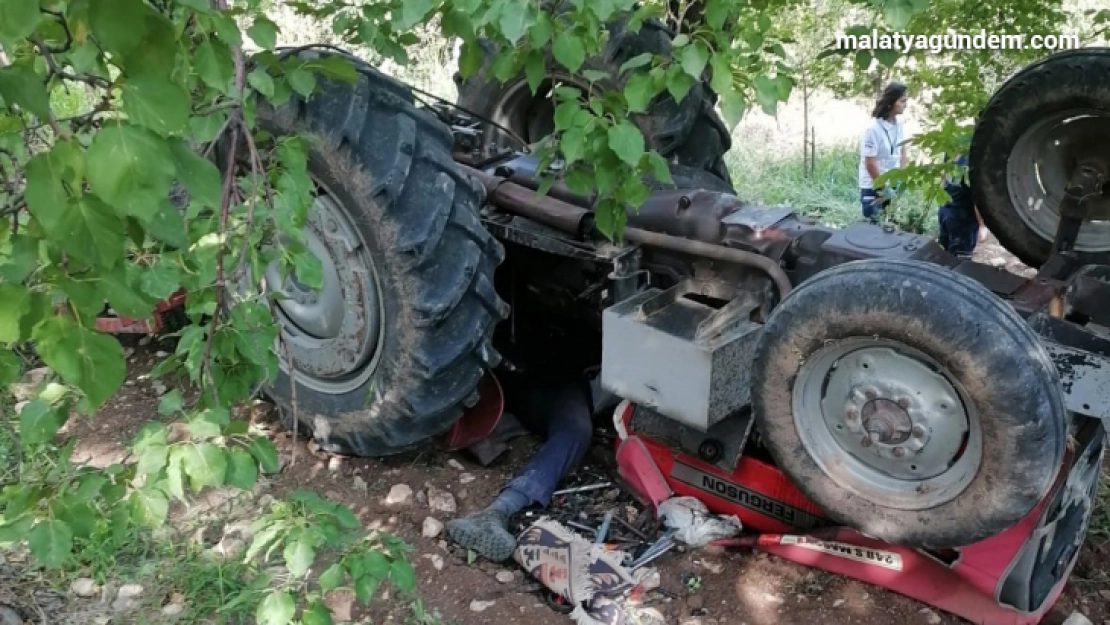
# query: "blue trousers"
{"type": "Point", "coordinates": [959, 230]}
{"type": "Point", "coordinates": [556, 408]}
{"type": "Point", "coordinates": [871, 204]}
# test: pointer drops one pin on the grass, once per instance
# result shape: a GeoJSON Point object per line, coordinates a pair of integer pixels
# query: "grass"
{"type": "Point", "coordinates": [829, 195]}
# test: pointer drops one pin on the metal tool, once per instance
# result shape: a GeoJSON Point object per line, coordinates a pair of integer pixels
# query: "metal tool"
{"type": "Point", "coordinates": [583, 489]}
{"type": "Point", "coordinates": [665, 543]}
{"type": "Point", "coordinates": [603, 531]}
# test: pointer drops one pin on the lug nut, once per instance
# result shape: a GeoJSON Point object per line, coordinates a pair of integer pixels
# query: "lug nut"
{"type": "Point", "coordinates": [852, 415]}
{"type": "Point", "coordinates": [904, 402]}
{"type": "Point", "coordinates": [919, 431]}
{"type": "Point", "coordinates": [870, 394]}
{"type": "Point", "coordinates": [899, 452]}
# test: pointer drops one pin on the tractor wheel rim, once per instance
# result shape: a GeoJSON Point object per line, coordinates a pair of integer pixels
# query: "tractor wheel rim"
{"type": "Point", "coordinates": [887, 423]}
{"type": "Point", "coordinates": [1038, 167]}
{"type": "Point", "coordinates": [333, 332]}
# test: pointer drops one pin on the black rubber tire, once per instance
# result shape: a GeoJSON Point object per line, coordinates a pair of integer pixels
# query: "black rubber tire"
{"type": "Point", "coordinates": [992, 355]}
{"type": "Point", "coordinates": [1061, 82]}
{"type": "Point", "coordinates": [688, 133]}
{"type": "Point", "coordinates": [390, 165]}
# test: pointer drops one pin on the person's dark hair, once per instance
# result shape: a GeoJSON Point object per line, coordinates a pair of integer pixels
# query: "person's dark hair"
{"type": "Point", "coordinates": [893, 92]}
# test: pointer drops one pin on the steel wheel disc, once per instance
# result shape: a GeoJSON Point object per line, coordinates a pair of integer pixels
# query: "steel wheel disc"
{"type": "Point", "coordinates": [886, 423]}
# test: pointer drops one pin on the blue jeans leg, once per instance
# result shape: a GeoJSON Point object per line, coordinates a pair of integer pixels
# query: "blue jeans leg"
{"type": "Point", "coordinates": [557, 410]}
{"type": "Point", "coordinates": [871, 204]}
{"type": "Point", "coordinates": [959, 233]}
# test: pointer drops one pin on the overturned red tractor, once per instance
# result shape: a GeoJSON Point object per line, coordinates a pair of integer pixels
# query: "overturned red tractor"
{"type": "Point", "coordinates": [905, 394]}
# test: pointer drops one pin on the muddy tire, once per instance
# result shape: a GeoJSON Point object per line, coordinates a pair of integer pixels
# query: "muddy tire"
{"type": "Point", "coordinates": [689, 133]}
{"type": "Point", "coordinates": [1024, 145]}
{"type": "Point", "coordinates": [960, 403]}
{"type": "Point", "coordinates": [390, 351]}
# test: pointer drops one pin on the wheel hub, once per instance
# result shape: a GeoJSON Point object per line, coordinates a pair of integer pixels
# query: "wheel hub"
{"type": "Point", "coordinates": [886, 423]}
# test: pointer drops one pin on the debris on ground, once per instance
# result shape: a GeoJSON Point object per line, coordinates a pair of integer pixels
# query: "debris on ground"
{"type": "Point", "coordinates": [693, 523]}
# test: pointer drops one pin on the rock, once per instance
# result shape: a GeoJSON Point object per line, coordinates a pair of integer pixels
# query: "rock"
{"type": "Point", "coordinates": [930, 617]}
{"type": "Point", "coordinates": [466, 478]}
{"type": "Point", "coordinates": [127, 598]}
{"type": "Point", "coordinates": [8, 616]}
{"type": "Point", "coordinates": [360, 484]}
{"type": "Point", "coordinates": [441, 501]}
{"type": "Point", "coordinates": [173, 609]}
{"type": "Point", "coordinates": [505, 577]}
{"type": "Point", "coordinates": [422, 497]}
{"type": "Point", "coordinates": [435, 559]}
{"type": "Point", "coordinates": [481, 606]}
{"type": "Point", "coordinates": [695, 602]}
{"type": "Point", "coordinates": [158, 388]}
{"type": "Point", "coordinates": [1077, 618]}
{"type": "Point", "coordinates": [455, 464]}
{"type": "Point", "coordinates": [340, 602]}
{"type": "Point", "coordinates": [160, 354]}
{"type": "Point", "coordinates": [84, 588]}
{"type": "Point", "coordinates": [463, 494]}
{"type": "Point", "coordinates": [713, 567]}
{"type": "Point", "coordinates": [20, 406]}
{"type": "Point", "coordinates": [1105, 594]}
{"type": "Point", "coordinates": [265, 501]}
{"type": "Point", "coordinates": [335, 463]}
{"type": "Point", "coordinates": [838, 603]}
{"type": "Point", "coordinates": [399, 495]}
{"type": "Point", "coordinates": [432, 527]}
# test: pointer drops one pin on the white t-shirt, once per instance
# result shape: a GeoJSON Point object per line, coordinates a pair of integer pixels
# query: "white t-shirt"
{"type": "Point", "coordinates": [881, 139]}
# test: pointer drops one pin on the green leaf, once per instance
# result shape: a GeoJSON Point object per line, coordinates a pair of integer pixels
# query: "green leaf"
{"type": "Point", "coordinates": [376, 565]}
{"type": "Point", "coordinates": [130, 168]}
{"type": "Point", "coordinates": [203, 427]}
{"type": "Point", "coordinates": [365, 587]}
{"type": "Point", "coordinates": [680, 40]}
{"type": "Point", "coordinates": [242, 471]}
{"type": "Point", "coordinates": [569, 51]}
{"type": "Point", "coordinates": [716, 12]}
{"type": "Point", "coordinates": [565, 113]}
{"type": "Point", "coordinates": [94, 233]}
{"type": "Point", "coordinates": [263, 32]}
{"type": "Point", "coordinates": [471, 58]}
{"type": "Point", "coordinates": [118, 25]}
{"type": "Point", "coordinates": [332, 577]}
{"type": "Point", "coordinates": [51, 542]}
{"type": "Point", "coordinates": [23, 87]}
{"type": "Point", "coordinates": [171, 402]}
{"type": "Point", "coordinates": [679, 85]}
{"type": "Point", "coordinates": [639, 91]}
{"type": "Point", "coordinates": [733, 108]}
{"type": "Point", "coordinates": [898, 13]}
{"type": "Point", "coordinates": [317, 613]}
{"type": "Point", "coordinates": [540, 32]}
{"type": "Point", "coordinates": [150, 506]}
{"type": "Point", "coordinates": [308, 270]}
{"type": "Point", "coordinates": [402, 575]}
{"type": "Point", "coordinates": [9, 367]}
{"type": "Point", "coordinates": [302, 80]}
{"type": "Point", "coordinates": [168, 225]}
{"type": "Point", "coordinates": [783, 85]}
{"type": "Point", "coordinates": [513, 19]}
{"type": "Point", "coordinates": [637, 61]}
{"type": "Point", "coordinates": [299, 555]}
{"type": "Point", "coordinates": [89, 360]}
{"type": "Point", "coordinates": [205, 464]}
{"type": "Point", "coordinates": [47, 175]}
{"type": "Point", "coordinates": [278, 608]}
{"type": "Point", "coordinates": [660, 169]}
{"type": "Point", "coordinates": [199, 175]}
{"type": "Point", "coordinates": [15, 302]}
{"type": "Point", "coordinates": [214, 65]}
{"type": "Point", "coordinates": [535, 69]}
{"type": "Point", "coordinates": [40, 421]}
{"type": "Point", "coordinates": [152, 448]}
{"type": "Point", "coordinates": [265, 453]}
{"type": "Point", "coordinates": [261, 82]}
{"type": "Point", "coordinates": [161, 279]}
{"type": "Point", "coordinates": [156, 102]}
{"type": "Point", "coordinates": [721, 80]}
{"type": "Point", "coordinates": [627, 142]}
{"type": "Point", "coordinates": [863, 60]}
{"type": "Point", "coordinates": [123, 296]}
{"type": "Point", "coordinates": [694, 59]}
{"type": "Point", "coordinates": [572, 143]}
{"type": "Point", "coordinates": [887, 57]}
{"type": "Point", "coordinates": [413, 12]}
{"type": "Point", "coordinates": [766, 93]}
{"type": "Point", "coordinates": [19, 21]}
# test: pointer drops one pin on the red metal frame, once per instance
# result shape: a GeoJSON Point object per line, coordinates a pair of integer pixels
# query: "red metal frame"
{"type": "Point", "coordinates": [118, 324]}
{"type": "Point", "coordinates": [762, 497]}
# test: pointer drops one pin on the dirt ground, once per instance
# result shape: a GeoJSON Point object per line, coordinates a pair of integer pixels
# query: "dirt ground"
{"type": "Point", "coordinates": [737, 588]}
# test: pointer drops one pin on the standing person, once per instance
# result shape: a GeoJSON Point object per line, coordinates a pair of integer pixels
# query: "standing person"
{"type": "Point", "coordinates": [961, 226]}
{"type": "Point", "coordinates": [882, 148]}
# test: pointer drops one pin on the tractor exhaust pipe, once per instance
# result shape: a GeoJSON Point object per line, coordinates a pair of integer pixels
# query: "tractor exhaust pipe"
{"type": "Point", "coordinates": [577, 221]}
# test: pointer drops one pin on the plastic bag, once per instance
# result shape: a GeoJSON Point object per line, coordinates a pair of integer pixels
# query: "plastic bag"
{"type": "Point", "coordinates": [693, 523]}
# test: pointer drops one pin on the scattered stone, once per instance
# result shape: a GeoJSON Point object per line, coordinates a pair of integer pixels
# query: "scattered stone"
{"type": "Point", "coordinates": [435, 559]}
{"type": "Point", "coordinates": [838, 603]}
{"type": "Point", "coordinates": [8, 616]}
{"type": "Point", "coordinates": [160, 354]}
{"type": "Point", "coordinates": [143, 342]}
{"type": "Point", "coordinates": [399, 495]}
{"type": "Point", "coordinates": [441, 501]}
{"type": "Point", "coordinates": [340, 602]}
{"type": "Point", "coordinates": [1077, 618]}
{"type": "Point", "coordinates": [506, 577]}
{"type": "Point", "coordinates": [422, 497]}
{"type": "Point", "coordinates": [466, 478]}
{"type": "Point", "coordinates": [930, 617]}
{"type": "Point", "coordinates": [127, 598]}
{"type": "Point", "coordinates": [456, 465]}
{"type": "Point", "coordinates": [1105, 594]}
{"type": "Point", "coordinates": [173, 609]}
{"type": "Point", "coordinates": [158, 388]}
{"type": "Point", "coordinates": [695, 602]}
{"type": "Point", "coordinates": [713, 567]}
{"type": "Point", "coordinates": [265, 501]}
{"type": "Point", "coordinates": [463, 494]}
{"type": "Point", "coordinates": [20, 406]}
{"type": "Point", "coordinates": [360, 484]}
{"type": "Point", "coordinates": [230, 547]}
{"type": "Point", "coordinates": [335, 463]}
{"type": "Point", "coordinates": [84, 588]}
{"type": "Point", "coordinates": [481, 606]}
{"type": "Point", "coordinates": [432, 527]}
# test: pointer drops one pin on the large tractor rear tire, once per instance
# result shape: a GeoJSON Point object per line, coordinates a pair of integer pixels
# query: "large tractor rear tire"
{"type": "Point", "coordinates": [390, 351]}
{"type": "Point", "coordinates": [1042, 122]}
{"type": "Point", "coordinates": [688, 133]}
{"type": "Point", "coordinates": [909, 403]}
